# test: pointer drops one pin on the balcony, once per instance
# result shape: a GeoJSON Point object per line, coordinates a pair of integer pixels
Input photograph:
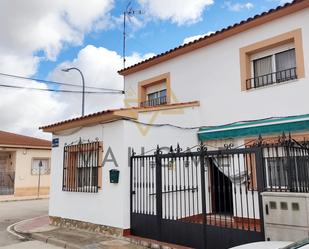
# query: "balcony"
{"type": "Point", "coordinates": [154, 102]}
{"type": "Point", "coordinates": [271, 78]}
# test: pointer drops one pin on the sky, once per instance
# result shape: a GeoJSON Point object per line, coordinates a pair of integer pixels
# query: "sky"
{"type": "Point", "coordinates": [41, 37]}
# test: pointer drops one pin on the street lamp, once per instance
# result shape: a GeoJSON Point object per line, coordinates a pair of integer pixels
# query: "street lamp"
{"type": "Point", "coordinates": [83, 81]}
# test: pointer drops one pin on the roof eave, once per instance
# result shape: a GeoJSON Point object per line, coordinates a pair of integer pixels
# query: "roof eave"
{"type": "Point", "coordinates": [91, 120]}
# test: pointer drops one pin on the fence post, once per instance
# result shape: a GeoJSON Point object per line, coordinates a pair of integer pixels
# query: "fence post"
{"type": "Point", "coordinates": [131, 155]}
{"type": "Point", "coordinates": [260, 182]}
{"type": "Point", "coordinates": [202, 149]}
{"type": "Point", "coordinates": [159, 190]}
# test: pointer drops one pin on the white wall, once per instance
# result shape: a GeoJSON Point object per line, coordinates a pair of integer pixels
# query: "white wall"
{"type": "Point", "coordinates": [104, 207]}
{"type": "Point", "coordinates": [212, 76]}
{"type": "Point", "coordinates": [111, 205]}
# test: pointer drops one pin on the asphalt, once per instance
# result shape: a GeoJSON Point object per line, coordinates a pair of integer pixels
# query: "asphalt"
{"type": "Point", "coordinates": [15, 211]}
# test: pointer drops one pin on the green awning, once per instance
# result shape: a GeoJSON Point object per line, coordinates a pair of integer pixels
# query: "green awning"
{"type": "Point", "coordinates": [255, 128]}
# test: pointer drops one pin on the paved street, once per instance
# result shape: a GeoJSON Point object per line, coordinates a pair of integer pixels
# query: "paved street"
{"type": "Point", "coordinates": [15, 211]}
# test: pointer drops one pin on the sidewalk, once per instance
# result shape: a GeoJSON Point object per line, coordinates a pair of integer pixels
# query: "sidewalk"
{"type": "Point", "coordinates": [4, 198]}
{"type": "Point", "coordinates": [39, 229]}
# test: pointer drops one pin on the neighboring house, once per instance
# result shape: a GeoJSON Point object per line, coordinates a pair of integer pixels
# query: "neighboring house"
{"type": "Point", "coordinates": [23, 160]}
{"type": "Point", "coordinates": [246, 80]}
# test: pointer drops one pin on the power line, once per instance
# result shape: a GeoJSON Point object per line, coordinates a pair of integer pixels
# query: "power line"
{"type": "Point", "coordinates": [58, 90]}
{"type": "Point", "coordinates": [56, 82]}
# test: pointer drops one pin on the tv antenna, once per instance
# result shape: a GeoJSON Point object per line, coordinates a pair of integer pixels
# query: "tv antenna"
{"type": "Point", "coordinates": [129, 12]}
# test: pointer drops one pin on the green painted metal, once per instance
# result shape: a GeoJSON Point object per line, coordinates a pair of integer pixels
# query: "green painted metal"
{"type": "Point", "coordinates": [244, 130]}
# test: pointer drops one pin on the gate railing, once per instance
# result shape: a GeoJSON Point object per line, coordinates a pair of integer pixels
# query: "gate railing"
{"type": "Point", "coordinates": [218, 188]}
{"type": "Point", "coordinates": [286, 165]}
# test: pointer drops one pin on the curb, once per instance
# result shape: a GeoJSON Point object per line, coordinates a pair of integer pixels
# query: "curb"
{"type": "Point", "coordinates": [53, 241]}
{"type": "Point", "coordinates": [30, 199]}
{"type": "Point", "coordinates": [40, 237]}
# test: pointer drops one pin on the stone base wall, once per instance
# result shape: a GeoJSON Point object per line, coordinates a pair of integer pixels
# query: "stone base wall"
{"type": "Point", "coordinates": [87, 226]}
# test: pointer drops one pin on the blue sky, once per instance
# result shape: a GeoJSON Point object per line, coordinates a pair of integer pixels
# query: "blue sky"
{"type": "Point", "coordinates": [156, 36]}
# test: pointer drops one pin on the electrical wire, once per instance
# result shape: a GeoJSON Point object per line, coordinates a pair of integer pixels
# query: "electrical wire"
{"type": "Point", "coordinates": [58, 90]}
{"type": "Point", "coordinates": [215, 126]}
{"type": "Point", "coordinates": [56, 82]}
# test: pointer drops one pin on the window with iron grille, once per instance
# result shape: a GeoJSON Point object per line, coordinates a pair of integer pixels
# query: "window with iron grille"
{"type": "Point", "coordinates": [155, 98]}
{"type": "Point", "coordinates": [287, 173]}
{"type": "Point", "coordinates": [82, 167]}
{"type": "Point", "coordinates": [273, 68]}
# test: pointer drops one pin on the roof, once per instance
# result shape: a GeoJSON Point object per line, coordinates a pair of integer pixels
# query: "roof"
{"type": "Point", "coordinates": [15, 140]}
{"type": "Point", "coordinates": [110, 115]}
{"type": "Point", "coordinates": [224, 33]}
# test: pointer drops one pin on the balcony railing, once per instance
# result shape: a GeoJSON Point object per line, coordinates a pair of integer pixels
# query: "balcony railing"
{"type": "Point", "coordinates": [154, 102]}
{"type": "Point", "coordinates": [271, 78]}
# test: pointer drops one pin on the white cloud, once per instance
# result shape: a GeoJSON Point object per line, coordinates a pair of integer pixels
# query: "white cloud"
{"type": "Point", "coordinates": [285, 1]}
{"type": "Point", "coordinates": [177, 11]}
{"type": "Point", "coordinates": [238, 6]}
{"type": "Point", "coordinates": [36, 30]}
{"type": "Point", "coordinates": [196, 37]}
{"type": "Point", "coordinates": [25, 110]}
{"type": "Point", "coordinates": [99, 66]}
{"type": "Point", "coordinates": [31, 26]}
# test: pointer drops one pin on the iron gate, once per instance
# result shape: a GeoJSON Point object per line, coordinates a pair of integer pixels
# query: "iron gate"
{"type": "Point", "coordinates": [202, 199]}
{"type": "Point", "coordinates": [7, 179]}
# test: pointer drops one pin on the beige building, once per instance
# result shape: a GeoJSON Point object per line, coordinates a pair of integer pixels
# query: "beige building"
{"type": "Point", "coordinates": [24, 165]}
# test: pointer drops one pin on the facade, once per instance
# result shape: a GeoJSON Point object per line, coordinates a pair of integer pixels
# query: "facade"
{"type": "Point", "coordinates": [20, 160]}
{"type": "Point", "coordinates": [243, 81]}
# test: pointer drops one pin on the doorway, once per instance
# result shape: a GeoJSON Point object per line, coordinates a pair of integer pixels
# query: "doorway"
{"type": "Point", "coordinates": [7, 174]}
{"type": "Point", "coordinates": [222, 194]}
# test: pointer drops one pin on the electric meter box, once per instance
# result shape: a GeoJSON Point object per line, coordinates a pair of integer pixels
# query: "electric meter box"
{"type": "Point", "coordinates": [286, 215]}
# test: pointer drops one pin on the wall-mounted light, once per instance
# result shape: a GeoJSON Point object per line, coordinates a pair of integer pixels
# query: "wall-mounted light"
{"type": "Point", "coordinates": [25, 151]}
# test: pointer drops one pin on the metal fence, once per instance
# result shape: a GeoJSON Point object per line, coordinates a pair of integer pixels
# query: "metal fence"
{"type": "Point", "coordinates": [7, 179]}
{"type": "Point", "coordinates": [286, 165]}
{"type": "Point", "coordinates": [81, 166]}
{"type": "Point", "coordinates": [199, 199]}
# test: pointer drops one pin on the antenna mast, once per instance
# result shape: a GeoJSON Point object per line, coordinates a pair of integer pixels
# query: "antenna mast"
{"type": "Point", "coordinates": [127, 13]}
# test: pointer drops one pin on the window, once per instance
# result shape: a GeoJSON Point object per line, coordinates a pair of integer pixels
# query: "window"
{"type": "Point", "coordinates": [275, 68]}
{"type": "Point", "coordinates": [155, 91]}
{"type": "Point", "coordinates": [274, 60]}
{"type": "Point", "coordinates": [82, 169]}
{"type": "Point", "coordinates": [291, 174]}
{"type": "Point", "coordinates": [276, 172]}
{"type": "Point", "coordinates": [40, 166]}
{"type": "Point", "coordinates": [156, 98]}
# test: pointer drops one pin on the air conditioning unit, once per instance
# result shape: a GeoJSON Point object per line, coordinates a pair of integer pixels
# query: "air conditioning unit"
{"type": "Point", "coordinates": [286, 215]}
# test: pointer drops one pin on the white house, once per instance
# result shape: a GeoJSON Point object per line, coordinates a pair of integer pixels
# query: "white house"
{"type": "Point", "coordinates": [243, 81]}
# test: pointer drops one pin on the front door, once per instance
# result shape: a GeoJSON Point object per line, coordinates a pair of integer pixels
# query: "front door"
{"type": "Point", "coordinates": [222, 195]}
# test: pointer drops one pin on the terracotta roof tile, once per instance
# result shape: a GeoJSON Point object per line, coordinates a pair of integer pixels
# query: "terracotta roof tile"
{"type": "Point", "coordinates": [127, 70]}
{"type": "Point", "coordinates": [109, 111]}
{"type": "Point", "coordinates": [8, 138]}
